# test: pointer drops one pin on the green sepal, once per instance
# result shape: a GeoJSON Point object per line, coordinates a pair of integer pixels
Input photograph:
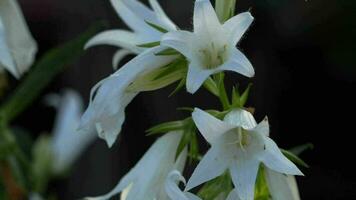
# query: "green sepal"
{"type": "Point", "coordinates": [245, 95]}
{"type": "Point", "coordinates": [211, 86]}
{"type": "Point", "coordinates": [239, 101]}
{"type": "Point", "coordinates": [301, 148]}
{"type": "Point", "coordinates": [157, 27]}
{"type": "Point", "coordinates": [294, 158]}
{"type": "Point", "coordinates": [167, 52]}
{"type": "Point", "coordinates": [165, 127]}
{"type": "Point", "coordinates": [179, 87]}
{"type": "Point", "coordinates": [261, 188]}
{"type": "Point", "coordinates": [149, 44]}
{"type": "Point", "coordinates": [225, 9]}
{"type": "Point", "coordinates": [159, 77]}
{"type": "Point", "coordinates": [220, 186]}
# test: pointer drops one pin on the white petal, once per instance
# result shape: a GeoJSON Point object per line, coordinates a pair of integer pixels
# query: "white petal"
{"type": "Point", "coordinates": [196, 77]}
{"type": "Point", "coordinates": [238, 63]}
{"type": "Point", "coordinates": [213, 164]}
{"type": "Point", "coordinates": [273, 158]}
{"type": "Point", "coordinates": [233, 195]}
{"type": "Point", "coordinates": [182, 41]}
{"type": "Point", "coordinates": [134, 14]}
{"type": "Point", "coordinates": [281, 186]}
{"type": "Point", "coordinates": [121, 38]}
{"type": "Point", "coordinates": [243, 173]}
{"type": "Point", "coordinates": [6, 59]}
{"type": "Point", "coordinates": [161, 15]}
{"type": "Point", "coordinates": [205, 19]}
{"type": "Point", "coordinates": [263, 127]}
{"type": "Point", "coordinates": [209, 126]}
{"type": "Point", "coordinates": [67, 142]}
{"type": "Point", "coordinates": [19, 39]}
{"type": "Point", "coordinates": [119, 55]}
{"type": "Point", "coordinates": [241, 118]}
{"type": "Point", "coordinates": [171, 186]}
{"type": "Point", "coordinates": [108, 106]}
{"type": "Point", "coordinates": [237, 26]}
{"type": "Point", "coordinates": [149, 174]}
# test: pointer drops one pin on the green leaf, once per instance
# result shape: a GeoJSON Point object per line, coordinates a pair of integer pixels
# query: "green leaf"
{"type": "Point", "coordinates": [211, 86]}
{"type": "Point", "coordinates": [158, 78]}
{"type": "Point", "coordinates": [41, 74]}
{"type": "Point", "coordinates": [220, 186]}
{"type": "Point", "coordinates": [167, 52]}
{"type": "Point", "coordinates": [157, 27]}
{"type": "Point", "coordinates": [300, 149]}
{"type": "Point", "coordinates": [188, 132]}
{"type": "Point", "coordinates": [165, 127]}
{"type": "Point", "coordinates": [149, 45]}
{"type": "Point", "coordinates": [193, 148]}
{"type": "Point", "coordinates": [225, 9]}
{"type": "Point", "coordinates": [292, 157]}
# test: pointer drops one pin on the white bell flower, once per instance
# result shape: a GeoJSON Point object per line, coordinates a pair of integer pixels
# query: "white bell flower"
{"type": "Point", "coordinates": [17, 46]}
{"type": "Point", "coordinates": [240, 145]}
{"type": "Point", "coordinates": [106, 111]}
{"type": "Point", "coordinates": [136, 16]}
{"type": "Point", "coordinates": [67, 142]}
{"type": "Point", "coordinates": [211, 48]}
{"type": "Point", "coordinates": [146, 180]}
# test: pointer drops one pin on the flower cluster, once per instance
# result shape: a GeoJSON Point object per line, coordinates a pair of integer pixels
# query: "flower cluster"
{"type": "Point", "coordinates": [240, 150]}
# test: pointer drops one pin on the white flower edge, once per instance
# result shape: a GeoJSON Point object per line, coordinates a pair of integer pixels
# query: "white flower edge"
{"type": "Point", "coordinates": [106, 111]}
{"type": "Point", "coordinates": [147, 178]}
{"type": "Point", "coordinates": [282, 186]}
{"type": "Point", "coordinates": [227, 152]}
{"type": "Point", "coordinates": [18, 48]}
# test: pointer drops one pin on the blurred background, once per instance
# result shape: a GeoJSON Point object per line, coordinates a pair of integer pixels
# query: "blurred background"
{"type": "Point", "coordinates": [303, 54]}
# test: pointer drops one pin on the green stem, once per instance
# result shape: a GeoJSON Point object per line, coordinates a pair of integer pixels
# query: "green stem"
{"type": "Point", "coordinates": [219, 79]}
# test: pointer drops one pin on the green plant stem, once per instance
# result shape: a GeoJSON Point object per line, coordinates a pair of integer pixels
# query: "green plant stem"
{"type": "Point", "coordinates": [219, 79]}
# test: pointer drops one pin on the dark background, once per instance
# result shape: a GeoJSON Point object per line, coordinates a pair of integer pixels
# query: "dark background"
{"type": "Point", "coordinates": [303, 54]}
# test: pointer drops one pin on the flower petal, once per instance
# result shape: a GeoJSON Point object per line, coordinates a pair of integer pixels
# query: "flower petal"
{"type": "Point", "coordinates": [120, 38]}
{"type": "Point", "coordinates": [209, 126]}
{"type": "Point", "coordinates": [205, 19]}
{"type": "Point", "coordinates": [182, 41]}
{"type": "Point", "coordinates": [233, 195]}
{"type": "Point", "coordinates": [281, 186]}
{"type": "Point", "coordinates": [241, 118]}
{"type": "Point", "coordinates": [237, 26]}
{"type": "Point", "coordinates": [263, 127]}
{"type": "Point", "coordinates": [213, 164]}
{"type": "Point", "coordinates": [273, 158]}
{"type": "Point", "coordinates": [196, 77]}
{"type": "Point", "coordinates": [243, 173]}
{"type": "Point", "coordinates": [171, 186]}
{"type": "Point", "coordinates": [19, 39]}
{"type": "Point", "coordinates": [238, 63]}
{"type": "Point", "coordinates": [118, 56]}
{"type": "Point", "coordinates": [6, 59]}
{"type": "Point", "coordinates": [161, 15]}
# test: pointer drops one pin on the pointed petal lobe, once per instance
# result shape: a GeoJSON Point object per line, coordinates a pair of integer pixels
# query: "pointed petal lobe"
{"type": "Point", "coordinates": [237, 26]}
{"type": "Point", "coordinates": [238, 63]}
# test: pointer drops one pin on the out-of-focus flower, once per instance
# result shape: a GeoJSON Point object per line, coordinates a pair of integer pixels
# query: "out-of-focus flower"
{"type": "Point", "coordinates": [106, 111]}
{"type": "Point", "coordinates": [146, 180]}
{"type": "Point", "coordinates": [67, 142]}
{"type": "Point", "coordinates": [138, 17]}
{"type": "Point", "coordinates": [17, 46]}
{"type": "Point", "coordinates": [240, 145]}
{"type": "Point", "coordinates": [281, 186]}
{"type": "Point", "coordinates": [212, 46]}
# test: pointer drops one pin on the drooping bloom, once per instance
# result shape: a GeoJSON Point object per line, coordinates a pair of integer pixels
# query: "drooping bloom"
{"type": "Point", "coordinates": [137, 16]}
{"type": "Point", "coordinates": [106, 111]}
{"type": "Point", "coordinates": [146, 180]}
{"type": "Point", "coordinates": [211, 48]}
{"type": "Point", "coordinates": [17, 46]}
{"type": "Point", "coordinates": [240, 145]}
{"type": "Point", "coordinates": [282, 186]}
{"type": "Point", "coordinates": [67, 142]}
